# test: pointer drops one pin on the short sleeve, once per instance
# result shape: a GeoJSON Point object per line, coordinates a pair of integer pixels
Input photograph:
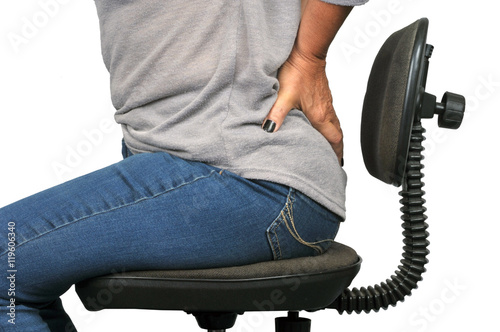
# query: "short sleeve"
{"type": "Point", "coordinates": [346, 2]}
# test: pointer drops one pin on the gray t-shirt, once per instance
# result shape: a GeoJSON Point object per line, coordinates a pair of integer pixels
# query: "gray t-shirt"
{"type": "Point", "coordinates": [197, 78]}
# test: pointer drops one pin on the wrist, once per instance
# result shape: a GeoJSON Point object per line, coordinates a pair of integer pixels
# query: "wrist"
{"type": "Point", "coordinates": [306, 60]}
{"type": "Point", "coordinates": [310, 52]}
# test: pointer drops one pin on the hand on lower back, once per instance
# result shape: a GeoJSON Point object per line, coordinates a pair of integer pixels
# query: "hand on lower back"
{"type": "Point", "coordinates": [304, 86]}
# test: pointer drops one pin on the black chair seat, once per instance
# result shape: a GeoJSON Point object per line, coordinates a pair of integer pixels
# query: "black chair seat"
{"type": "Point", "coordinates": [307, 283]}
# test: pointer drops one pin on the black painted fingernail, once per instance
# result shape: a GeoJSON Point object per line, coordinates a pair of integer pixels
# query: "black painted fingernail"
{"type": "Point", "coordinates": [269, 126]}
{"type": "Point", "coordinates": [342, 162]}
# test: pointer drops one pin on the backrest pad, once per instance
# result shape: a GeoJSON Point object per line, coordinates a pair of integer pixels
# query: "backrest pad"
{"type": "Point", "coordinates": [391, 100]}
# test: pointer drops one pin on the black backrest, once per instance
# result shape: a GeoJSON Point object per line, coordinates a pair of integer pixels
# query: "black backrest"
{"type": "Point", "coordinates": [395, 86]}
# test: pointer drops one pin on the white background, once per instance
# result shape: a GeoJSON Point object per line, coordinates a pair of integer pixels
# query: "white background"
{"type": "Point", "coordinates": [54, 89]}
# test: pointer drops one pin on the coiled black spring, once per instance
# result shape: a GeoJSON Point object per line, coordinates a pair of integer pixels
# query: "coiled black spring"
{"type": "Point", "coordinates": [415, 241]}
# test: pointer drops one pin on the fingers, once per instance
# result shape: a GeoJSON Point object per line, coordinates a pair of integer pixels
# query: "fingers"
{"type": "Point", "coordinates": [277, 114]}
{"type": "Point", "coordinates": [328, 125]}
{"type": "Point", "coordinates": [324, 121]}
{"type": "Point", "coordinates": [334, 136]}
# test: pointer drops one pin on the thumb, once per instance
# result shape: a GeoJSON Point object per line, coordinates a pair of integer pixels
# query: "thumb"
{"type": "Point", "coordinates": [277, 114]}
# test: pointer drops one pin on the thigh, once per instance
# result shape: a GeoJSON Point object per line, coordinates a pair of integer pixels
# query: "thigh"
{"type": "Point", "coordinates": [149, 211]}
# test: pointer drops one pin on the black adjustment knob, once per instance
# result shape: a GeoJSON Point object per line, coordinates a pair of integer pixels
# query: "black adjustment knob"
{"type": "Point", "coordinates": [451, 110]}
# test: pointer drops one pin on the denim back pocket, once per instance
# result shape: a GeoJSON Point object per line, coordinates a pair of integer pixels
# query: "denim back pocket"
{"type": "Point", "coordinates": [300, 230]}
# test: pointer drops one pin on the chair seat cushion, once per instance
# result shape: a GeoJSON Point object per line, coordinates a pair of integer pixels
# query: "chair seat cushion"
{"type": "Point", "coordinates": [305, 283]}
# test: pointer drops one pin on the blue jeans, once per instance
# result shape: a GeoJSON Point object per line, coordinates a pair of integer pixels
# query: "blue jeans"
{"type": "Point", "coordinates": [149, 211]}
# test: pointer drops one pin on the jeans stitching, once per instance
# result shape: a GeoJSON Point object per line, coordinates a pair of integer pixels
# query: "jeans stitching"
{"type": "Point", "coordinates": [292, 230]}
{"type": "Point", "coordinates": [286, 217]}
{"type": "Point", "coordinates": [212, 173]}
{"type": "Point", "coordinates": [273, 238]}
{"type": "Point", "coordinates": [272, 235]}
{"type": "Point", "coordinates": [276, 253]}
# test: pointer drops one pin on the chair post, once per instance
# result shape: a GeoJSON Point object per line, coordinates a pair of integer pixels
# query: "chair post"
{"type": "Point", "coordinates": [292, 323]}
{"type": "Point", "coordinates": [215, 321]}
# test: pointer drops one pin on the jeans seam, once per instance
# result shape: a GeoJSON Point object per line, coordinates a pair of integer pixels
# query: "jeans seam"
{"type": "Point", "coordinates": [276, 253]}
{"type": "Point", "coordinates": [274, 239]}
{"type": "Point", "coordinates": [115, 208]}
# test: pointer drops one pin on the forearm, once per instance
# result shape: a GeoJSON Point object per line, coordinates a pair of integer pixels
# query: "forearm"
{"type": "Point", "coordinates": [319, 24]}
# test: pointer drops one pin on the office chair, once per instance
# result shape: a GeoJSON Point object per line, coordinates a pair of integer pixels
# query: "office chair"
{"type": "Point", "coordinates": [391, 141]}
